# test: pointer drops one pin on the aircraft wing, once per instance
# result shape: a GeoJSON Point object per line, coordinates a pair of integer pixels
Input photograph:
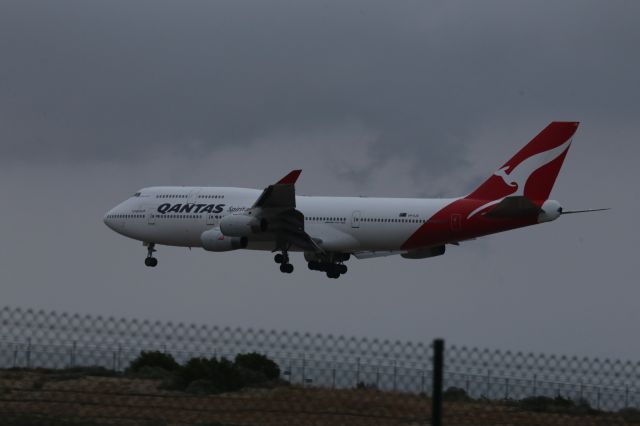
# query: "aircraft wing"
{"type": "Point", "coordinates": [277, 204]}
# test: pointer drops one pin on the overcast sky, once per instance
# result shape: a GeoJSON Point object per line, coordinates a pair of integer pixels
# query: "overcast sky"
{"type": "Point", "coordinates": [378, 98]}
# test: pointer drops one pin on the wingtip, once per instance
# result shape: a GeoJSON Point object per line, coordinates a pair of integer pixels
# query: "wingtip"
{"type": "Point", "coordinates": [291, 178]}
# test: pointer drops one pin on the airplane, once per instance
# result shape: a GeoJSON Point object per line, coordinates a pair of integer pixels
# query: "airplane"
{"type": "Point", "coordinates": [329, 230]}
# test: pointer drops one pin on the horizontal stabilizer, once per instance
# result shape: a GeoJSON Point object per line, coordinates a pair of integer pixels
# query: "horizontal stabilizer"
{"type": "Point", "coordinates": [514, 207]}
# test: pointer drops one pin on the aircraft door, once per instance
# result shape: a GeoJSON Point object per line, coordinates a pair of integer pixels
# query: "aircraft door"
{"type": "Point", "coordinates": [151, 218]}
{"type": "Point", "coordinates": [356, 218]}
{"type": "Point", "coordinates": [193, 196]}
{"type": "Point", "coordinates": [456, 222]}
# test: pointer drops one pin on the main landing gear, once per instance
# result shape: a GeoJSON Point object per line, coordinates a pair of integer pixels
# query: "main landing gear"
{"type": "Point", "coordinates": [283, 260]}
{"type": "Point", "coordinates": [333, 270]}
{"type": "Point", "coordinates": [150, 260]}
{"type": "Point", "coordinates": [332, 265]}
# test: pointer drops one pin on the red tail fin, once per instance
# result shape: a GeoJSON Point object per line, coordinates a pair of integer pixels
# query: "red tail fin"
{"type": "Point", "coordinates": [533, 170]}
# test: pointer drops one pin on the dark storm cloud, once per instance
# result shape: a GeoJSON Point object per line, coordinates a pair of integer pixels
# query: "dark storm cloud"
{"type": "Point", "coordinates": [397, 98]}
{"type": "Point", "coordinates": [118, 80]}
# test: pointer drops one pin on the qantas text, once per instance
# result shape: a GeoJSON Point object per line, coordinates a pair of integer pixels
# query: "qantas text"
{"type": "Point", "coordinates": [190, 208]}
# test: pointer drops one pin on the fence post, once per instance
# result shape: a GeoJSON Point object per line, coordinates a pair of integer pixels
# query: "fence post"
{"type": "Point", "coordinates": [377, 377]}
{"type": "Point", "coordinates": [15, 355]}
{"type": "Point", "coordinates": [506, 389]}
{"type": "Point", "coordinates": [422, 381]}
{"type": "Point", "coordinates": [488, 384]}
{"type": "Point", "coordinates": [119, 357]}
{"type": "Point", "coordinates": [626, 396]}
{"type": "Point", "coordinates": [581, 390]}
{"type": "Point", "coordinates": [535, 379]}
{"type": "Point", "coordinates": [304, 366]}
{"type": "Point", "coordinates": [395, 375]}
{"type": "Point", "coordinates": [73, 355]}
{"type": "Point", "coordinates": [357, 371]}
{"type": "Point", "coordinates": [333, 376]}
{"type": "Point", "coordinates": [29, 352]}
{"type": "Point", "coordinates": [436, 400]}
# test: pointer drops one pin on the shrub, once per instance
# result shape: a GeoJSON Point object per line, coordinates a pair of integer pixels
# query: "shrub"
{"type": "Point", "coordinates": [155, 359]}
{"type": "Point", "coordinates": [558, 404]}
{"type": "Point", "coordinates": [456, 394]}
{"type": "Point", "coordinates": [631, 415]}
{"type": "Point", "coordinates": [223, 375]}
{"type": "Point", "coordinates": [366, 386]}
{"type": "Point", "coordinates": [202, 387]}
{"type": "Point", "coordinates": [259, 363]}
{"type": "Point", "coordinates": [96, 370]}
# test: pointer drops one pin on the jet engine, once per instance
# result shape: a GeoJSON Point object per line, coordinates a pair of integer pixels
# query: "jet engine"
{"type": "Point", "coordinates": [242, 225]}
{"type": "Point", "coordinates": [214, 240]}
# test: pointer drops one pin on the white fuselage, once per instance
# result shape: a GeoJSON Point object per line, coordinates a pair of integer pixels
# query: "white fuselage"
{"type": "Point", "coordinates": [178, 216]}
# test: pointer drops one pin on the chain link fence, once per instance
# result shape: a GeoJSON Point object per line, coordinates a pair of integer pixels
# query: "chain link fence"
{"type": "Point", "coordinates": [60, 368]}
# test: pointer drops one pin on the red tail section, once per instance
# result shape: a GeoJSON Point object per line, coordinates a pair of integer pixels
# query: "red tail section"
{"type": "Point", "coordinates": [534, 169]}
{"type": "Point", "coordinates": [527, 179]}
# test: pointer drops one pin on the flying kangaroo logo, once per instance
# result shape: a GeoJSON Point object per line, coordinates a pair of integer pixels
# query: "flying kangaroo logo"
{"type": "Point", "coordinates": [517, 176]}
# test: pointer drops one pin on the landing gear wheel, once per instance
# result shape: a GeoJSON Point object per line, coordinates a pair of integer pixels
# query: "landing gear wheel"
{"type": "Point", "coordinates": [286, 268]}
{"type": "Point", "coordinates": [333, 274]}
{"type": "Point", "coordinates": [342, 269]}
{"type": "Point", "coordinates": [278, 258]}
{"type": "Point", "coordinates": [151, 262]}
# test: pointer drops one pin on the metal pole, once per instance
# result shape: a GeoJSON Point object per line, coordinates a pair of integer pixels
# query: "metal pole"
{"type": "Point", "coordinates": [333, 377]}
{"type": "Point", "coordinates": [395, 375]}
{"type": "Point", "coordinates": [119, 358]}
{"type": "Point", "coordinates": [438, 365]}
{"type": "Point", "coordinates": [626, 396]}
{"type": "Point", "coordinates": [506, 390]}
{"type": "Point", "coordinates": [581, 390]}
{"type": "Point", "coordinates": [488, 384]}
{"type": "Point", "coordinates": [29, 352]}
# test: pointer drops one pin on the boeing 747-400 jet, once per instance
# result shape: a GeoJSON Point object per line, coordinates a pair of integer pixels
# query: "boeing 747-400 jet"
{"type": "Point", "coordinates": [329, 230]}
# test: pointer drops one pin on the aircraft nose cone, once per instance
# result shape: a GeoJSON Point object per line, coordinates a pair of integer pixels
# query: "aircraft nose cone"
{"type": "Point", "coordinates": [108, 220]}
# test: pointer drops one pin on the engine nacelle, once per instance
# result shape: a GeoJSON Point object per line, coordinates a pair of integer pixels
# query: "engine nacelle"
{"type": "Point", "coordinates": [424, 253]}
{"type": "Point", "coordinates": [242, 225]}
{"type": "Point", "coordinates": [551, 210]}
{"type": "Point", "coordinates": [214, 240]}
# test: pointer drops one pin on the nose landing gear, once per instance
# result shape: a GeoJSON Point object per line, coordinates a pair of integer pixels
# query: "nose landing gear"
{"type": "Point", "coordinates": [150, 260]}
{"type": "Point", "coordinates": [283, 260]}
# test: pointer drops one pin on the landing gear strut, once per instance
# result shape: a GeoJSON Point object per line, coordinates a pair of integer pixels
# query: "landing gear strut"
{"type": "Point", "coordinates": [283, 260]}
{"type": "Point", "coordinates": [150, 260]}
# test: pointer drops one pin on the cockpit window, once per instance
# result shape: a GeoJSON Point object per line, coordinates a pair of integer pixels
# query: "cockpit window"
{"type": "Point", "coordinates": [137, 194]}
